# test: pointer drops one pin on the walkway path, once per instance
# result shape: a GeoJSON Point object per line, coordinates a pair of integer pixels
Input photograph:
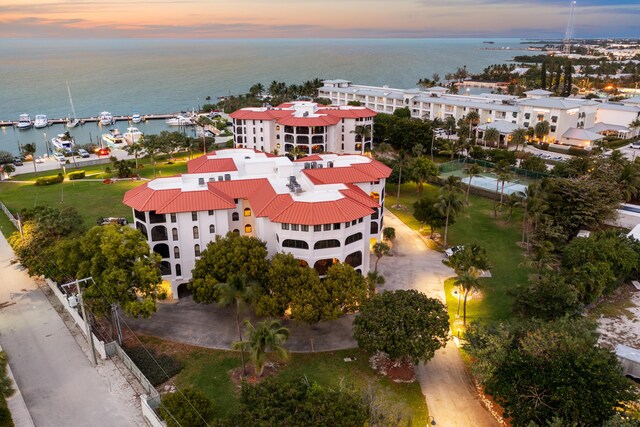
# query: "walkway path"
{"type": "Point", "coordinates": [451, 398]}
{"type": "Point", "coordinates": [59, 385]}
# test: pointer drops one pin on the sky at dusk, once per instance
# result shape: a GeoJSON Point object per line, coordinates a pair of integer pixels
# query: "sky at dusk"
{"type": "Point", "coordinates": [315, 18]}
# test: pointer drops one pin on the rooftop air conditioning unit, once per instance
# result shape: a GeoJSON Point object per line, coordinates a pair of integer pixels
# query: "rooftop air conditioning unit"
{"type": "Point", "coordinates": [201, 182]}
{"type": "Point", "coordinates": [307, 165]}
{"type": "Point", "coordinates": [329, 164]}
{"type": "Point", "coordinates": [227, 177]}
{"type": "Point", "coordinates": [220, 178]}
{"type": "Point", "coordinates": [212, 179]}
{"type": "Point", "coordinates": [314, 165]}
{"type": "Point", "coordinates": [320, 166]}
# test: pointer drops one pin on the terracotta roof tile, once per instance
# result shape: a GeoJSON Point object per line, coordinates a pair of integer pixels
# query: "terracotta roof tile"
{"type": "Point", "coordinates": [338, 175]}
{"type": "Point", "coordinates": [203, 164]}
{"type": "Point", "coordinates": [200, 200]}
{"type": "Point", "coordinates": [308, 213]}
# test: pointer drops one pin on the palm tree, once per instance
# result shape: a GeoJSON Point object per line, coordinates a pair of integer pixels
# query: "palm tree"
{"type": "Point", "coordinates": [256, 89]}
{"type": "Point", "coordinates": [450, 147]}
{"type": "Point", "coordinates": [449, 205]}
{"type": "Point", "coordinates": [297, 152]}
{"type": "Point", "coordinates": [383, 147]}
{"type": "Point", "coordinates": [380, 249]}
{"type": "Point", "coordinates": [203, 122]}
{"type": "Point", "coordinates": [389, 233]}
{"type": "Point", "coordinates": [513, 201]}
{"type": "Point", "coordinates": [30, 150]}
{"type": "Point", "coordinates": [374, 279]}
{"type": "Point", "coordinates": [504, 177]}
{"type": "Point", "coordinates": [399, 163]}
{"type": "Point", "coordinates": [417, 150]}
{"type": "Point", "coordinates": [135, 148]}
{"type": "Point", "coordinates": [629, 180]}
{"type": "Point", "coordinates": [237, 290]}
{"type": "Point", "coordinates": [518, 137]}
{"type": "Point", "coordinates": [269, 336]}
{"type": "Point", "coordinates": [450, 125]}
{"type": "Point", "coordinates": [467, 282]}
{"type": "Point", "coordinates": [491, 135]}
{"type": "Point", "coordinates": [541, 130]}
{"type": "Point", "coordinates": [452, 184]}
{"type": "Point", "coordinates": [635, 125]}
{"type": "Point", "coordinates": [472, 171]}
{"type": "Point", "coordinates": [472, 119]}
{"type": "Point", "coordinates": [532, 202]}
{"type": "Point", "coordinates": [500, 168]}
{"type": "Point", "coordinates": [541, 257]}
{"type": "Point", "coordinates": [363, 133]}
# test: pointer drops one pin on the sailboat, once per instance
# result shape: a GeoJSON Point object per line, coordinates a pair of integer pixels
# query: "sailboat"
{"type": "Point", "coordinates": [73, 120]}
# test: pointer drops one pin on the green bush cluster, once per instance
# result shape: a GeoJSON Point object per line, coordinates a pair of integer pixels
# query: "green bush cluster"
{"type": "Point", "coordinates": [6, 390]}
{"type": "Point", "coordinates": [575, 151]}
{"type": "Point", "coordinates": [49, 180]}
{"type": "Point", "coordinates": [617, 143]}
{"type": "Point", "coordinates": [145, 362]}
{"type": "Point", "coordinates": [76, 175]}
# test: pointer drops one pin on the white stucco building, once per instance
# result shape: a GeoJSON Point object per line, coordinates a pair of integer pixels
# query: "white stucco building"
{"type": "Point", "coordinates": [307, 126]}
{"type": "Point", "coordinates": [323, 209]}
{"type": "Point", "coordinates": [565, 115]}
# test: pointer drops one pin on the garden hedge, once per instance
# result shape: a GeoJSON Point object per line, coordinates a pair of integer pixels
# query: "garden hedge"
{"type": "Point", "coordinates": [49, 180]}
{"type": "Point", "coordinates": [76, 175]}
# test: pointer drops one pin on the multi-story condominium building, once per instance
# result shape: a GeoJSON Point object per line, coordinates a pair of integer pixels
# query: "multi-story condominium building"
{"type": "Point", "coordinates": [304, 127]}
{"type": "Point", "coordinates": [567, 117]}
{"type": "Point", "coordinates": [323, 209]}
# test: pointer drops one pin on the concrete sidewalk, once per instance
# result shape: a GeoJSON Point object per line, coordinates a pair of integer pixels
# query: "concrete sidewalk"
{"type": "Point", "coordinates": [59, 385]}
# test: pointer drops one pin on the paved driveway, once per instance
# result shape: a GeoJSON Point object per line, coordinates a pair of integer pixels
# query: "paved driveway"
{"type": "Point", "coordinates": [59, 385]}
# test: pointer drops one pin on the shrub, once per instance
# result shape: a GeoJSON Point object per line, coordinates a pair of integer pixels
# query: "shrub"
{"type": "Point", "coordinates": [575, 151]}
{"type": "Point", "coordinates": [5, 414]}
{"type": "Point", "coordinates": [147, 364]}
{"type": "Point", "coordinates": [190, 407]}
{"type": "Point", "coordinates": [76, 175]}
{"type": "Point", "coordinates": [5, 391]}
{"type": "Point", "coordinates": [543, 146]}
{"type": "Point", "coordinates": [49, 180]}
{"type": "Point", "coordinates": [617, 143]}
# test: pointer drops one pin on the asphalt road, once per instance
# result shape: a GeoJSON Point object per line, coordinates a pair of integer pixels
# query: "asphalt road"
{"type": "Point", "coordinates": [59, 385]}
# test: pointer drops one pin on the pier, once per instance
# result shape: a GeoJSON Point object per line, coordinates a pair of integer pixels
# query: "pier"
{"type": "Point", "coordinates": [4, 123]}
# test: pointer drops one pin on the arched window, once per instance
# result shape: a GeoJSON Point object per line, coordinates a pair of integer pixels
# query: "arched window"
{"type": "Point", "coordinates": [165, 268]}
{"type": "Point", "coordinates": [235, 216]}
{"type": "Point", "coordinates": [354, 259]}
{"type": "Point", "coordinates": [158, 233]}
{"type": "Point", "coordinates": [236, 231]}
{"type": "Point", "coordinates": [212, 229]}
{"type": "Point", "coordinates": [196, 233]}
{"type": "Point", "coordinates": [375, 214]}
{"type": "Point", "coordinates": [162, 249]}
{"type": "Point", "coordinates": [248, 228]}
{"type": "Point", "coordinates": [298, 244]}
{"type": "Point", "coordinates": [324, 244]}
{"type": "Point", "coordinates": [140, 215]}
{"type": "Point", "coordinates": [178, 270]}
{"type": "Point", "coordinates": [155, 218]}
{"type": "Point", "coordinates": [174, 234]}
{"type": "Point", "coordinates": [196, 250]}
{"type": "Point", "coordinates": [353, 238]}
{"type": "Point", "coordinates": [247, 212]}
{"type": "Point", "coordinates": [374, 227]}
{"type": "Point", "coordinates": [323, 265]}
{"type": "Point", "coordinates": [176, 252]}
{"type": "Point", "coordinates": [140, 226]}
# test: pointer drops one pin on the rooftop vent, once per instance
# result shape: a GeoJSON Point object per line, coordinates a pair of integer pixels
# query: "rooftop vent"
{"type": "Point", "coordinates": [227, 177]}
{"type": "Point", "coordinates": [212, 179]}
{"type": "Point", "coordinates": [314, 165]}
{"type": "Point", "coordinates": [220, 178]}
{"type": "Point", "coordinates": [320, 166]}
{"type": "Point", "coordinates": [329, 164]}
{"type": "Point", "coordinates": [305, 114]}
{"type": "Point", "coordinates": [307, 165]}
{"type": "Point", "coordinates": [201, 182]}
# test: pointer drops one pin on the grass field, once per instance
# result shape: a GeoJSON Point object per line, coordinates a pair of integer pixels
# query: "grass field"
{"type": "Point", "coordinates": [92, 199]}
{"type": "Point", "coordinates": [476, 225]}
{"type": "Point", "coordinates": [208, 370]}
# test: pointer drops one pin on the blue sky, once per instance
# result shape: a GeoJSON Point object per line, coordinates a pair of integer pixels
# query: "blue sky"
{"type": "Point", "coordinates": [315, 18]}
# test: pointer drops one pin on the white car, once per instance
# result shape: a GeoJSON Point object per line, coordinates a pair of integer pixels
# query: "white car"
{"type": "Point", "coordinates": [83, 153]}
{"type": "Point", "coordinates": [60, 158]}
{"type": "Point", "coordinates": [635, 144]}
{"type": "Point", "coordinates": [453, 250]}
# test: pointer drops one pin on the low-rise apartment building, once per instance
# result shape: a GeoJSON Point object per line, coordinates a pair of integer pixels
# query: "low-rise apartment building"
{"type": "Point", "coordinates": [323, 209]}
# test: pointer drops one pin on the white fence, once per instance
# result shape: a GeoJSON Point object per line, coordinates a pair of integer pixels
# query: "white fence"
{"type": "Point", "coordinates": [13, 220]}
{"type": "Point", "coordinates": [152, 398]}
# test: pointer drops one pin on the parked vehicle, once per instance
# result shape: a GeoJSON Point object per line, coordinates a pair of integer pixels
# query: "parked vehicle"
{"type": "Point", "coordinates": [112, 220]}
{"type": "Point", "coordinates": [635, 144]}
{"type": "Point", "coordinates": [17, 161]}
{"type": "Point", "coordinates": [83, 153]}
{"type": "Point", "coordinates": [453, 250]}
{"type": "Point", "coordinates": [60, 157]}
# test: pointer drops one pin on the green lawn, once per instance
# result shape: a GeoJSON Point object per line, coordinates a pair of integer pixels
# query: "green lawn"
{"type": "Point", "coordinates": [92, 199]}
{"type": "Point", "coordinates": [476, 225]}
{"type": "Point", "coordinates": [208, 369]}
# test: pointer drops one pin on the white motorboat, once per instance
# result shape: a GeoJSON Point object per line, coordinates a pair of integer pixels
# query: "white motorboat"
{"type": "Point", "coordinates": [64, 142]}
{"type": "Point", "coordinates": [136, 118]}
{"type": "Point", "coordinates": [40, 121]}
{"type": "Point", "coordinates": [180, 120]}
{"type": "Point", "coordinates": [113, 139]}
{"type": "Point", "coordinates": [105, 118]}
{"type": "Point", "coordinates": [73, 120]}
{"type": "Point", "coordinates": [24, 122]}
{"type": "Point", "coordinates": [132, 135]}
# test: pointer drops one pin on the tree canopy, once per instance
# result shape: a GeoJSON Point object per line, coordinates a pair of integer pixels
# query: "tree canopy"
{"type": "Point", "coordinates": [403, 324]}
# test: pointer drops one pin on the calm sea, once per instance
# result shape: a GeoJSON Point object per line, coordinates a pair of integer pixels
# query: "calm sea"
{"type": "Point", "coordinates": [163, 76]}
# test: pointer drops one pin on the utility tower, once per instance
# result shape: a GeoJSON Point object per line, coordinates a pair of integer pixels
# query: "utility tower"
{"type": "Point", "coordinates": [566, 43]}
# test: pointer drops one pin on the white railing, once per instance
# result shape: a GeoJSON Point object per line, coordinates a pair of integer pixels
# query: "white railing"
{"type": "Point", "coordinates": [13, 219]}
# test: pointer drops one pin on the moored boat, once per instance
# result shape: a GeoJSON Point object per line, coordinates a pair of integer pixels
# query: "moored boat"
{"type": "Point", "coordinates": [136, 118]}
{"type": "Point", "coordinates": [40, 121]}
{"type": "Point", "coordinates": [73, 120]}
{"type": "Point", "coordinates": [63, 141]}
{"type": "Point", "coordinates": [113, 139]}
{"type": "Point", "coordinates": [132, 135]}
{"type": "Point", "coordinates": [106, 118]}
{"type": "Point", "coordinates": [180, 120]}
{"type": "Point", "coordinates": [24, 122]}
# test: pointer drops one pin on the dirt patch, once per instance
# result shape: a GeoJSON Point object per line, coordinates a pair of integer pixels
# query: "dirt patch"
{"type": "Point", "coordinates": [237, 375]}
{"type": "Point", "coordinates": [618, 318]}
{"type": "Point", "coordinates": [399, 371]}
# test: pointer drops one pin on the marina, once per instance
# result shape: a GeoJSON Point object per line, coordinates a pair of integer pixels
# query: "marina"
{"type": "Point", "coordinates": [96, 119]}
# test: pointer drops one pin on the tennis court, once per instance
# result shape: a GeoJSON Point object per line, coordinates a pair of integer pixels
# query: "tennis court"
{"type": "Point", "coordinates": [489, 183]}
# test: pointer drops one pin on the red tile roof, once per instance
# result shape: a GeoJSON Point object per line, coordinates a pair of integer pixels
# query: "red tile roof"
{"type": "Point", "coordinates": [311, 158]}
{"type": "Point", "coordinates": [354, 192]}
{"type": "Point", "coordinates": [341, 175]}
{"type": "Point", "coordinates": [201, 200]}
{"type": "Point", "coordinates": [283, 114]}
{"type": "Point", "coordinates": [313, 213]}
{"type": "Point", "coordinates": [204, 164]}
{"type": "Point", "coordinates": [374, 168]}
{"type": "Point", "coordinates": [240, 188]}
{"type": "Point", "coordinates": [309, 121]}
{"type": "Point", "coordinates": [351, 113]}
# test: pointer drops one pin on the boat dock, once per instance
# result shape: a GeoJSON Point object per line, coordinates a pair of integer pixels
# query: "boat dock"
{"type": "Point", "coordinates": [96, 119]}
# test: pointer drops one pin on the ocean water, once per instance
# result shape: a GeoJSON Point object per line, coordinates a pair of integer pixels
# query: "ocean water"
{"type": "Point", "coordinates": [163, 76]}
